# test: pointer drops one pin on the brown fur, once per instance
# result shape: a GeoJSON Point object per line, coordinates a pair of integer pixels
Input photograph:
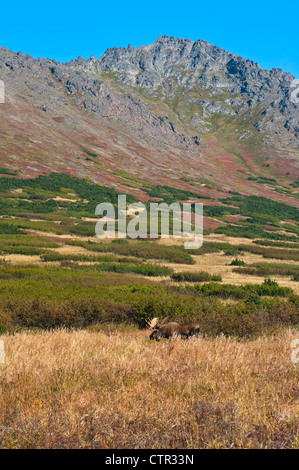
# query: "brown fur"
{"type": "Point", "coordinates": [175, 329]}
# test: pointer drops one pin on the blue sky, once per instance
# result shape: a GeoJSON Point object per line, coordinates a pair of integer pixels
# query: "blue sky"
{"type": "Point", "coordinates": [264, 31]}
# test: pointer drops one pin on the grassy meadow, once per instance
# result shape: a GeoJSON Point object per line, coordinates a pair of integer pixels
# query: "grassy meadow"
{"type": "Point", "coordinates": [115, 389]}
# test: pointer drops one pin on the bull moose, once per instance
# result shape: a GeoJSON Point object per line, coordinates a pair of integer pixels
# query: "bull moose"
{"type": "Point", "coordinates": [166, 329]}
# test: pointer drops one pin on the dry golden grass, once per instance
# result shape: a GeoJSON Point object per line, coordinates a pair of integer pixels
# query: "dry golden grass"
{"type": "Point", "coordinates": [213, 237]}
{"type": "Point", "coordinates": [22, 259]}
{"type": "Point", "coordinates": [119, 390]}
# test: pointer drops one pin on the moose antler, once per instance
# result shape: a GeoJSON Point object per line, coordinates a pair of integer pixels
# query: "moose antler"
{"type": "Point", "coordinates": [156, 323]}
{"type": "Point", "coordinates": [152, 323]}
{"type": "Point", "coordinates": [164, 321]}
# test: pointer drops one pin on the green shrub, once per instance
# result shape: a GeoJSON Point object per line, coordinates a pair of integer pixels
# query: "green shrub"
{"type": "Point", "coordinates": [276, 253]}
{"type": "Point", "coordinates": [248, 318]}
{"type": "Point", "coordinates": [237, 262]}
{"type": "Point", "coordinates": [146, 269]}
{"type": "Point", "coordinates": [6, 171]}
{"type": "Point", "coordinates": [269, 288]}
{"type": "Point", "coordinates": [91, 154]}
{"type": "Point", "coordinates": [51, 297]}
{"type": "Point", "coordinates": [27, 240]}
{"type": "Point", "coordinates": [144, 249]}
{"type": "Point", "coordinates": [260, 205]}
{"type": "Point", "coordinates": [55, 181]}
{"type": "Point", "coordinates": [8, 229]}
{"type": "Point", "coordinates": [84, 229]}
{"type": "Point", "coordinates": [219, 211]}
{"type": "Point", "coordinates": [22, 250]}
{"type": "Point", "coordinates": [196, 277]}
{"type": "Point", "coordinates": [217, 247]}
{"type": "Point", "coordinates": [169, 194]}
{"type": "Point", "coordinates": [277, 243]}
{"type": "Point", "coordinates": [245, 231]}
{"type": "Point", "coordinates": [75, 313]}
{"type": "Point", "coordinates": [266, 269]}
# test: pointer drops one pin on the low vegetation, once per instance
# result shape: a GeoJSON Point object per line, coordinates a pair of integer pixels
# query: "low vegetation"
{"type": "Point", "coordinates": [53, 256]}
{"type": "Point", "coordinates": [145, 269]}
{"type": "Point", "coordinates": [277, 244]}
{"type": "Point", "coordinates": [251, 231]}
{"type": "Point", "coordinates": [169, 194]}
{"type": "Point", "coordinates": [276, 253]}
{"type": "Point", "coordinates": [201, 276]}
{"type": "Point", "coordinates": [265, 251]}
{"type": "Point", "coordinates": [246, 291]}
{"type": "Point", "coordinates": [261, 206]}
{"type": "Point", "coordinates": [142, 249]}
{"type": "Point", "coordinates": [51, 297]}
{"type": "Point", "coordinates": [267, 269]}
{"type": "Point", "coordinates": [237, 262]}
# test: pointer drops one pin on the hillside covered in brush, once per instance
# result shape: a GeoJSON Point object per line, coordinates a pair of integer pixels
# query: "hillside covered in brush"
{"type": "Point", "coordinates": [177, 113]}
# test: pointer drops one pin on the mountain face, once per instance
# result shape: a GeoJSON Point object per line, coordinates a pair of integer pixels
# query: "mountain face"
{"type": "Point", "coordinates": [235, 86]}
{"type": "Point", "coordinates": [175, 112]}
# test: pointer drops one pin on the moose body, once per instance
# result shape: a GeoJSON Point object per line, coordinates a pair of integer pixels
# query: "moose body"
{"type": "Point", "coordinates": [173, 329]}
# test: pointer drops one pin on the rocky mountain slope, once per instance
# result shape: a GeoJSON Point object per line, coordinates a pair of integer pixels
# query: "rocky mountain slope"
{"type": "Point", "coordinates": [177, 112]}
{"type": "Point", "coordinates": [235, 86]}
